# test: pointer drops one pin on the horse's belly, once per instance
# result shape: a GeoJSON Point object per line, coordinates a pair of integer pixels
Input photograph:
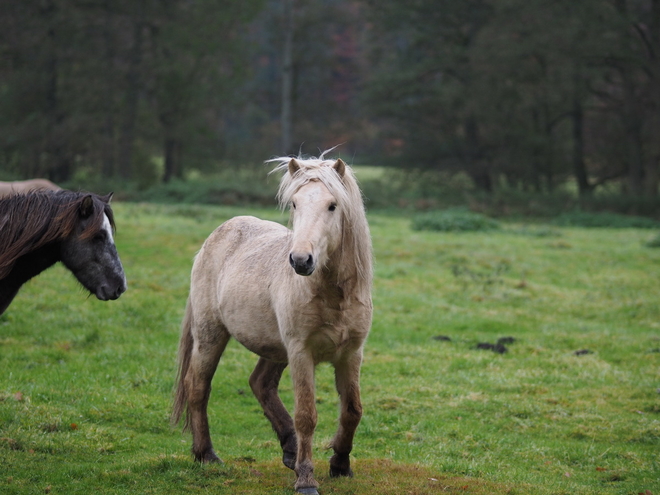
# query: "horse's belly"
{"type": "Point", "coordinates": [254, 325]}
{"type": "Point", "coordinates": [270, 349]}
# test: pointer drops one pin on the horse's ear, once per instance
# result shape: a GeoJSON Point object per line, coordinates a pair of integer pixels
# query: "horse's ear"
{"type": "Point", "coordinates": [293, 166]}
{"type": "Point", "coordinates": [107, 198]}
{"type": "Point", "coordinates": [86, 206]}
{"type": "Point", "coordinates": [340, 167]}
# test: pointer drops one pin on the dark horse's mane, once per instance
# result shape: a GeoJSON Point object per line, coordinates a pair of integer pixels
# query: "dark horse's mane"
{"type": "Point", "coordinates": [32, 220]}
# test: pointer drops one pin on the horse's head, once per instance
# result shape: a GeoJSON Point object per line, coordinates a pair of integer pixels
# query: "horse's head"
{"type": "Point", "coordinates": [90, 252]}
{"type": "Point", "coordinates": [316, 221]}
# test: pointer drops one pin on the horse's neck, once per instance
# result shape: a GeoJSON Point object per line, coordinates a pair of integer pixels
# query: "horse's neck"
{"type": "Point", "coordinates": [339, 272]}
{"type": "Point", "coordinates": [32, 264]}
{"type": "Point", "coordinates": [26, 267]}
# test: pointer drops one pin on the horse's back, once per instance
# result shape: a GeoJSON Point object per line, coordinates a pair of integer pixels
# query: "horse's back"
{"type": "Point", "coordinates": [23, 186]}
{"type": "Point", "coordinates": [242, 230]}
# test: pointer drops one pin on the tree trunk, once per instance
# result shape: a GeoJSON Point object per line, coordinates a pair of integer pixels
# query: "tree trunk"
{"type": "Point", "coordinates": [287, 79]}
{"type": "Point", "coordinates": [60, 165]}
{"type": "Point", "coordinates": [127, 137]}
{"type": "Point", "coordinates": [652, 172]}
{"type": "Point", "coordinates": [579, 166]}
{"type": "Point", "coordinates": [476, 166]}
{"type": "Point", "coordinates": [108, 148]}
{"type": "Point", "coordinates": [536, 154]}
{"type": "Point", "coordinates": [173, 168]}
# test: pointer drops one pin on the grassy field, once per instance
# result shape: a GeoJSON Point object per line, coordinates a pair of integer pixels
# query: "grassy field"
{"type": "Point", "coordinates": [85, 386]}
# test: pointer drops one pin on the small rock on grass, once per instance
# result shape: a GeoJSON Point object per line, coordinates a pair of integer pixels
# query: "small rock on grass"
{"type": "Point", "coordinates": [499, 348]}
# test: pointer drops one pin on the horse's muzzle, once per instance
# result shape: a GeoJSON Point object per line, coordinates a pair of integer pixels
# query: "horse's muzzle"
{"type": "Point", "coordinates": [110, 293]}
{"type": "Point", "coordinates": [303, 264]}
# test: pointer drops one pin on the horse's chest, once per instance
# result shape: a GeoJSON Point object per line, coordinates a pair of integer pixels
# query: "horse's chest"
{"type": "Point", "coordinates": [330, 331]}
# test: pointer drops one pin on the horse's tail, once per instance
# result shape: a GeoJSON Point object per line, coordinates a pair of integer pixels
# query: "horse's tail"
{"type": "Point", "coordinates": [185, 351]}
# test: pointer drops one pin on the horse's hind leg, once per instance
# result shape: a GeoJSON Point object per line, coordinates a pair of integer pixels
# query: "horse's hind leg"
{"type": "Point", "coordinates": [264, 382]}
{"type": "Point", "coordinates": [347, 380]}
{"type": "Point", "coordinates": [203, 363]}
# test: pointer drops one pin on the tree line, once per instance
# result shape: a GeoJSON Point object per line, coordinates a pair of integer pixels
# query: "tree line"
{"type": "Point", "coordinates": [516, 93]}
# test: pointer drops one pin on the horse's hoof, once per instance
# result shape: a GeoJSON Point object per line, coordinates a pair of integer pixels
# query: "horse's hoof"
{"type": "Point", "coordinates": [289, 460]}
{"type": "Point", "coordinates": [337, 472]}
{"type": "Point", "coordinates": [308, 491]}
{"type": "Point", "coordinates": [208, 458]}
{"type": "Point", "coordinates": [340, 465]}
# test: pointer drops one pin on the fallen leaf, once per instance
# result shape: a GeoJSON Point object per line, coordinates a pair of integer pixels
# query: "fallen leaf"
{"type": "Point", "coordinates": [567, 474]}
{"type": "Point", "coordinates": [74, 426]}
{"type": "Point", "coordinates": [18, 396]}
{"type": "Point", "coordinates": [601, 469]}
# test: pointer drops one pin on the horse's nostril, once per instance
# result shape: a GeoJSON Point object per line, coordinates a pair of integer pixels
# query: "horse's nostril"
{"type": "Point", "coordinates": [302, 263]}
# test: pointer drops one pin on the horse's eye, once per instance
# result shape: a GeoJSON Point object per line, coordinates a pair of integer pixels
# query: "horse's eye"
{"type": "Point", "coordinates": [333, 207]}
{"type": "Point", "coordinates": [293, 205]}
{"type": "Point", "coordinates": [100, 237]}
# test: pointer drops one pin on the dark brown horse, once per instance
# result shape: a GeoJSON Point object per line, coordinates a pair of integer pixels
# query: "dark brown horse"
{"type": "Point", "coordinates": [40, 228]}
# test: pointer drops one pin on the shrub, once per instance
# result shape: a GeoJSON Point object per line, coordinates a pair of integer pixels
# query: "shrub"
{"type": "Point", "coordinates": [655, 242]}
{"type": "Point", "coordinates": [610, 220]}
{"type": "Point", "coordinates": [453, 220]}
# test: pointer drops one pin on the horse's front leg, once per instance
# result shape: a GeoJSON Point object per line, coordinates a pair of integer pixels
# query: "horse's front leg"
{"type": "Point", "coordinates": [347, 380]}
{"type": "Point", "coordinates": [304, 419]}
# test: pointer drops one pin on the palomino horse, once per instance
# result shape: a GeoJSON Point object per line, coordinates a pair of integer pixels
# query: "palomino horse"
{"type": "Point", "coordinates": [23, 186]}
{"type": "Point", "coordinates": [294, 297]}
{"type": "Point", "coordinates": [40, 228]}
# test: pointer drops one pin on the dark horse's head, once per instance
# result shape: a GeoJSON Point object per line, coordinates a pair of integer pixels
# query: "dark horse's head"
{"type": "Point", "coordinates": [40, 228]}
{"type": "Point", "coordinates": [89, 249]}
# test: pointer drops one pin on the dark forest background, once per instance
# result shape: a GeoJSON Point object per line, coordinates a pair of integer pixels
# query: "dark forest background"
{"type": "Point", "coordinates": [516, 95]}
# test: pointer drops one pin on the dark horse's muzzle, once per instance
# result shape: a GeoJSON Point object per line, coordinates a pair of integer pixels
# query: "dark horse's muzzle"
{"type": "Point", "coordinates": [110, 293]}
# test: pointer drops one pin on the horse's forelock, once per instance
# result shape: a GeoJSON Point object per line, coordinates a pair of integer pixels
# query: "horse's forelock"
{"type": "Point", "coordinates": [316, 169]}
{"type": "Point", "coordinates": [95, 223]}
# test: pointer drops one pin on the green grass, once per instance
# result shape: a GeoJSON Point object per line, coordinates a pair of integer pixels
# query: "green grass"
{"type": "Point", "coordinates": [453, 220]}
{"type": "Point", "coordinates": [85, 386]}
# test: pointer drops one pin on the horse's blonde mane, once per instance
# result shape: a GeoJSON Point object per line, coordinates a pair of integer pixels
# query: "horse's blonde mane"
{"type": "Point", "coordinates": [355, 229]}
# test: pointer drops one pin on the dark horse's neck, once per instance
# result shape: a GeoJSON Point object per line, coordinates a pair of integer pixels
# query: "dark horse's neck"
{"type": "Point", "coordinates": [26, 267]}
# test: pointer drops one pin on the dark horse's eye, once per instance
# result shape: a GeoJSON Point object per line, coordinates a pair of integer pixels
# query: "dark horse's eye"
{"type": "Point", "coordinates": [100, 236]}
{"type": "Point", "coordinates": [293, 205]}
{"type": "Point", "coordinates": [333, 207]}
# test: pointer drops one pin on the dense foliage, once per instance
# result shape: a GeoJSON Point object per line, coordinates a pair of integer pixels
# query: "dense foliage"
{"type": "Point", "coordinates": [517, 94]}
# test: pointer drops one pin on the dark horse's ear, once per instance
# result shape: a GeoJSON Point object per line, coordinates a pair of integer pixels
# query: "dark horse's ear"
{"type": "Point", "coordinates": [293, 166]}
{"type": "Point", "coordinates": [340, 167]}
{"type": "Point", "coordinates": [107, 198]}
{"type": "Point", "coordinates": [86, 207]}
